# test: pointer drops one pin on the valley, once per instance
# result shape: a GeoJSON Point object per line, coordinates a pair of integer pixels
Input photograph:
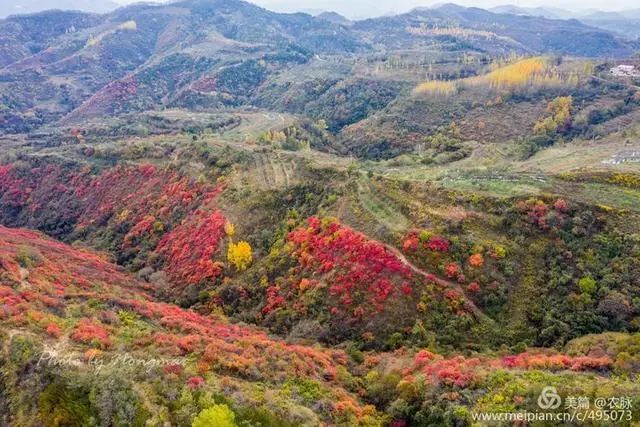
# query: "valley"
{"type": "Point", "coordinates": [288, 220]}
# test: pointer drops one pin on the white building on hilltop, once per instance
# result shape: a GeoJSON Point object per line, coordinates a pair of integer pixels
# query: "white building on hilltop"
{"type": "Point", "coordinates": [625, 71]}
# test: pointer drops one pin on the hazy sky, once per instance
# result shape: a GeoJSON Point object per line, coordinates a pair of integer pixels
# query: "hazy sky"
{"type": "Point", "coordinates": [365, 8]}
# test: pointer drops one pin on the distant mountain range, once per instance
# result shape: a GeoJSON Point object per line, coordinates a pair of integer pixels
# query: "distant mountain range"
{"type": "Point", "coordinates": [14, 7]}
{"type": "Point", "coordinates": [490, 31]}
{"type": "Point", "coordinates": [625, 23]}
{"type": "Point", "coordinates": [542, 12]}
{"type": "Point", "coordinates": [212, 53]}
{"type": "Point", "coordinates": [558, 13]}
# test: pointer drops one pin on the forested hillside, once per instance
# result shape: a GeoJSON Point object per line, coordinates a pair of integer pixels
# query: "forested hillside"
{"type": "Point", "coordinates": [215, 214]}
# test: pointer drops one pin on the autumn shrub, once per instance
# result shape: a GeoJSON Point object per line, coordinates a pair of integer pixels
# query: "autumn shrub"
{"type": "Point", "coordinates": [91, 332]}
{"type": "Point", "coordinates": [189, 249]}
{"type": "Point", "coordinates": [54, 330]}
{"type": "Point", "coordinates": [553, 361]}
{"type": "Point", "coordinates": [217, 415]}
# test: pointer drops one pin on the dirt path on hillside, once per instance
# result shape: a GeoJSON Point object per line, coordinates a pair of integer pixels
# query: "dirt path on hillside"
{"type": "Point", "coordinates": [478, 314]}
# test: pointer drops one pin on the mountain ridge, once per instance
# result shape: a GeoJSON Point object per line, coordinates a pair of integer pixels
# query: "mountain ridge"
{"type": "Point", "coordinates": [21, 7]}
{"type": "Point", "coordinates": [135, 46]}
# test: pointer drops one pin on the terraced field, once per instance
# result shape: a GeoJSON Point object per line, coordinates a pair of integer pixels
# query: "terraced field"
{"type": "Point", "coordinates": [382, 209]}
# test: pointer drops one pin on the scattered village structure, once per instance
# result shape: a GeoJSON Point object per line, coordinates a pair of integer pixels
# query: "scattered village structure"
{"type": "Point", "coordinates": [625, 71]}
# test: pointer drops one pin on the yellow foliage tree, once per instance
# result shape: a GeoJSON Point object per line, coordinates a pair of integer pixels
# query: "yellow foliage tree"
{"type": "Point", "coordinates": [519, 73]}
{"type": "Point", "coordinates": [436, 88]}
{"type": "Point", "coordinates": [215, 416]}
{"type": "Point", "coordinates": [239, 254]}
{"type": "Point", "coordinates": [559, 119]}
